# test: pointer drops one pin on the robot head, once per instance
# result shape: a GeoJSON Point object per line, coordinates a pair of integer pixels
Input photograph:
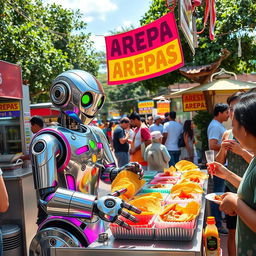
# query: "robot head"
{"type": "Point", "coordinates": [78, 95]}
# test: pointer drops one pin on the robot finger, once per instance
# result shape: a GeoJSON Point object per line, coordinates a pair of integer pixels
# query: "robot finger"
{"type": "Point", "coordinates": [122, 224]}
{"type": "Point", "coordinates": [129, 216]}
{"type": "Point", "coordinates": [131, 208]}
{"type": "Point", "coordinates": [119, 192]}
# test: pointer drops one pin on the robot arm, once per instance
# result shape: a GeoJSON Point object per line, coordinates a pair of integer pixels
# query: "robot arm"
{"type": "Point", "coordinates": [45, 150]}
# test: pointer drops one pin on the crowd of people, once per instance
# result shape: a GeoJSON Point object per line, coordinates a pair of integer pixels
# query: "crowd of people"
{"type": "Point", "coordinates": [152, 142]}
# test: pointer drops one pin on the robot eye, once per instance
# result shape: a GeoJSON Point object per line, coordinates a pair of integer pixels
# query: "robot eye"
{"type": "Point", "coordinates": [87, 99]}
{"type": "Point", "coordinates": [100, 103]}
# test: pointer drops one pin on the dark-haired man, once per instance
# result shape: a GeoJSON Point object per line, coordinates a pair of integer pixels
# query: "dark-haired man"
{"type": "Point", "coordinates": [142, 139]}
{"type": "Point", "coordinates": [37, 124]}
{"type": "Point", "coordinates": [214, 133]}
{"type": "Point", "coordinates": [121, 142]}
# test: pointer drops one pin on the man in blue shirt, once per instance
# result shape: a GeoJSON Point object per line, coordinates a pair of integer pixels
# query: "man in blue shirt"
{"type": "Point", "coordinates": [121, 142]}
{"type": "Point", "coordinates": [157, 126]}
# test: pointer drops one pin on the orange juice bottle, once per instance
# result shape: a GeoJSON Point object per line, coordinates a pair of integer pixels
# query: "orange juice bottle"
{"type": "Point", "coordinates": [211, 237]}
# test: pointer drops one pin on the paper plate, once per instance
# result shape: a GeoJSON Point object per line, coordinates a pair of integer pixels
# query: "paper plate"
{"type": "Point", "coordinates": [211, 197]}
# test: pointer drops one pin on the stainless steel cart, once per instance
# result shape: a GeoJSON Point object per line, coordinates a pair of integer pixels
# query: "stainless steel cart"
{"type": "Point", "coordinates": [114, 247]}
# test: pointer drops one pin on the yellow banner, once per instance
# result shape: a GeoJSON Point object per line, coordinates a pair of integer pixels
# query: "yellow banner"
{"type": "Point", "coordinates": [9, 106]}
{"type": "Point", "coordinates": [146, 63]}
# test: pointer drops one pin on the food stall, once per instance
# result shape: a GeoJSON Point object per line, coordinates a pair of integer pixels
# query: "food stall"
{"type": "Point", "coordinates": [180, 238]}
{"type": "Point", "coordinates": [15, 137]}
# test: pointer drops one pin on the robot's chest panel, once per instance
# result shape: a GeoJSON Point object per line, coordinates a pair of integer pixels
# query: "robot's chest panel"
{"type": "Point", "coordinates": [86, 148]}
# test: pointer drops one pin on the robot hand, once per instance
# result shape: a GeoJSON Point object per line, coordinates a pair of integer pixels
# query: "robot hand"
{"type": "Point", "coordinates": [133, 167]}
{"type": "Point", "coordinates": [110, 207]}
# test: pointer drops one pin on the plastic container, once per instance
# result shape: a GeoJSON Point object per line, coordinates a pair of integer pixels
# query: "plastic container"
{"type": "Point", "coordinates": [138, 232]}
{"type": "Point", "coordinates": [211, 238]}
{"type": "Point", "coordinates": [162, 175]}
{"type": "Point", "coordinates": [147, 188]}
{"type": "Point", "coordinates": [150, 174]}
{"type": "Point", "coordinates": [165, 180]}
{"type": "Point", "coordinates": [180, 231]}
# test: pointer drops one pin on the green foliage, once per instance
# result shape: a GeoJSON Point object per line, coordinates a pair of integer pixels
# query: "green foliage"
{"type": "Point", "coordinates": [235, 18]}
{"type": "Point", "coordinates": [44, 41]}
{"type": "Point", "coordinates": [202, 120]}
{"type": "Point", "coordinates": [128, 95]}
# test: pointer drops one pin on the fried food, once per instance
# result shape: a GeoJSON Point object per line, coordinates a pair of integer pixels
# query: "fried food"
{"type": "Point", "coordinates": [183, 195]}
{"type": "Point", "coordinates": [128, 180]}
{"type": "Point", "coordinates": [185, 165]}
{"type": "Point", "coordinates": [158, 186]}
{"type": "Point", "coordinates": [219, 197]}
{"type": "Point", "coordinates": [177, 213]}
{"type": "Point", "coordinates": [188, 187]}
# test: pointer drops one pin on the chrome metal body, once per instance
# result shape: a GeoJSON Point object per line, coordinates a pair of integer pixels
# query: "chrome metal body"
{"type": "Point", "coordinates": [68, 161]}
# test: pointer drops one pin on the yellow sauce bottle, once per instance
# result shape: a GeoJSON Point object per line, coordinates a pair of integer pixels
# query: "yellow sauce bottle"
{"type": "Point", "coordinates": [211, 238]}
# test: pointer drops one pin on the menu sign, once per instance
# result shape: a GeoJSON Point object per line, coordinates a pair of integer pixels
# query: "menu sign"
{"type": "Point", "coordinates": [9, 109]}
{"type": "Point", "coordinates": [146, 107]}
{"type": "Point", "coordinates": [163, 107]}
{"type": "Point", "coordinates": [193, 102]}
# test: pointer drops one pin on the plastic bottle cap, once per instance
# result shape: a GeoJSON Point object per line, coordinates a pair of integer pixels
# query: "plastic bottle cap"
{"type": "Point", "coordinates": [210, 220]}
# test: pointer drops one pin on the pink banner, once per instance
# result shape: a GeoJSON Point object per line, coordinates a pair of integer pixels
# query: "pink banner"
{"type": "Point", "coordinates": [145, 52]}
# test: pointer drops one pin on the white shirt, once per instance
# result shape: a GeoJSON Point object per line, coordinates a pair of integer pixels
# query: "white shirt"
{"type": "Point", "coordinates": [215, 131]}
{"type": "Point", "coordinates": [1, 172]}
{"type": "Point", "coordinates": [173, 130]}
{"type": "Point", "coordinates": [155, 127]}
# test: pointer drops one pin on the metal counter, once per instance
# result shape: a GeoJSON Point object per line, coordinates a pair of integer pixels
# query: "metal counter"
{"type": "Point", "coordinates": [114, 247]}
{"type": "Point", "coordinates": [22, 204]}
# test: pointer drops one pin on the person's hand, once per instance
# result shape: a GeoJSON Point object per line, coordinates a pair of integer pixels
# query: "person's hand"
{"type": "Point", "coordinates": [217, 169]}
{"type": "Point", "coordinates": [235, 147]}
{"type": "Point", "coordinates": [110, 207]}
{"type": "Point", "coordinates": [226, 145]}
{"type": "Point", "coordinates": [229, 204]}
{"type": "Point", "coordinates": [132, 151]}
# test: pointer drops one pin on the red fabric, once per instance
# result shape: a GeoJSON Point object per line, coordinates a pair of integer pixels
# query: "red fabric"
{"type": "Point", "coordinates": [209, 10]}
{"type": "Point", "coordinates": [145, 133]}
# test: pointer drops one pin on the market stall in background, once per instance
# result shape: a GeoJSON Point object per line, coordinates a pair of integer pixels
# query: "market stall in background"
{"type": "Point", "coordinates": [19, 222]}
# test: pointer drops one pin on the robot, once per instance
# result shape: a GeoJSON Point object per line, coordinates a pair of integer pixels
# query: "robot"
{"type": "Point", "coordinates": [68, 161]}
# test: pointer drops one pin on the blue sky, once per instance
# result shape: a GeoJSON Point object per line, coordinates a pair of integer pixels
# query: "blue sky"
{"type": "Point", "coordinates": [103, 16]}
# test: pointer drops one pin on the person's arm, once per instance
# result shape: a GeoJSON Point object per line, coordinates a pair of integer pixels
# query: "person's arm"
{"type": "Point", "coordinates": [165, 135]}
{"type": "Point", "coordinates": [166, 154]}
{"type": "Point", "coordinates": [247, 214]}
{"type": "Point", "coordinates": [4, 201]}
{"type": "Point", "coordinates": [222, 172]}
{"type": "Point", "coordinates": [213, 145]}
{"type": "Point", "coordinates": [124, 139]}
{"type": "Point", "coordinates": [145, 136]}
{"type": "Point", "coordinates": [237, 149]}
{"type": "Point", "coordinates": [222, 154]}
{"type": "Point", "coordinates": [232, 204]}
{"type": "Point", "coordinates": [189, 150]}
